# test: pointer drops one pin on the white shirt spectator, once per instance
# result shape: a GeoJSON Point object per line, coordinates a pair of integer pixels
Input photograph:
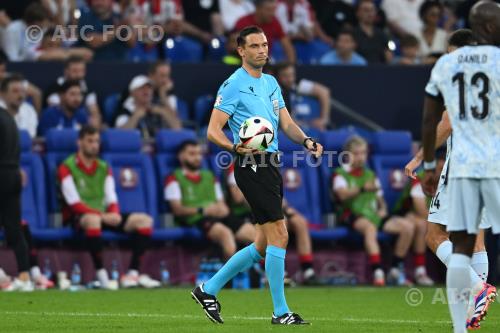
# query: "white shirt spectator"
{"type": "Point", "coordinates": [16, 45]}
{"type": "Point", "coordinates": [26, 117]}
{"type": "Point", "coordinates": [404, 13]}
{"type": "Point", "coordinates": [295, 19]}
{"type": "Point", "coordinates": [439, 43]}
{"type": "Point", "coordinates": [232, 10]}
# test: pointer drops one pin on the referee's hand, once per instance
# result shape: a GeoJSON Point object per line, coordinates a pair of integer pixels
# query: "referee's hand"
{"type": "Point", "coordinates": [314, 147]}
{"type": "Point", "coordinates": [242, 150]}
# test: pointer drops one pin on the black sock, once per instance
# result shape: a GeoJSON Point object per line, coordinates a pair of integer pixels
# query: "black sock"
{"type": "Point", "coordinates": [94, 245]}
{"type": "Point", "coordinates": [33, 255]}
{"type": "Point", "coordinates": [397, 261]}
{"type": "Point", "coordinates": [139, 245]}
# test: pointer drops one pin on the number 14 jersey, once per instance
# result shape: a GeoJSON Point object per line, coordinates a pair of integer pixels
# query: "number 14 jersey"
{"type": "Point", "coordinates": [468, 81]}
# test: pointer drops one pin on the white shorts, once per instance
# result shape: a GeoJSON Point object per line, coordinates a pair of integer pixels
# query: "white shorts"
{"type": "Point", "coordinates": [438, 209]}
{"type": "Point", "coordinates": [473, 201]}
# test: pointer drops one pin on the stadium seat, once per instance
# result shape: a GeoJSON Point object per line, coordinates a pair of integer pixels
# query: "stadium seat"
{"type": "Point", "coordinates": [300, 179]}
{"type": "Point", "coordinates": [183, 111]}
{"type": "Point", "coordinates": [393, 151]}
{"type": "Point", "coordinates": [305, 108]}
{"type": "Point", "coordinates": [110, 106]}
{"type": "Point", "coordinates": [277, 53]}
{"type": "Point", "coordinates": [167, 144]}
{"type": "Point", "coordinates": [133, 173]}
{"type": "Point", "coordinates": [219, 163]}
{"type": "Point", "coordinates": [309, 53]}
{"type": "Point", "coordinates": [203, 105]}
{"type": "Point", "coordinates": [143, 53]}
{"type": "Point", "coordinates": [183, 50]}
{"type": "Point", "coordinates": [217, 49]}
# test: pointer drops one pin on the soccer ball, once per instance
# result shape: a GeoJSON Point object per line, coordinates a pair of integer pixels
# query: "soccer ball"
{"type": "Point", "coordinates": [256, 133]}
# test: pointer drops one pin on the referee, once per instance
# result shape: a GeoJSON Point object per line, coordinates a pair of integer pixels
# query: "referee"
{"type": "Point", "coordinates": [10, 196]}
{"type": "Point", "coordinates": [247, 93]}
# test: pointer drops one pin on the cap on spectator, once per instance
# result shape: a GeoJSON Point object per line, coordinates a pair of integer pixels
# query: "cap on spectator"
{"type": "Point", "coordinates": [137, 82]}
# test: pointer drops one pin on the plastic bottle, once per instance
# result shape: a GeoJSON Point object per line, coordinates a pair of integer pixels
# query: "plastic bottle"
{"type": "Point", "coordinates": [164, 273]}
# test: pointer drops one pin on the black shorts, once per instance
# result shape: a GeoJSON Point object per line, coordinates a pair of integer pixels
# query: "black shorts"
{"type": "Point", "coordinates": [75, 222]}
{"type": "Point", "coordinates": [262, 186]}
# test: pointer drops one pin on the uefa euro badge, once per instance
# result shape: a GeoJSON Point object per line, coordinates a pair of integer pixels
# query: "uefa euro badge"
{"type": "Point", "coordinates": [218, 100]}
{"type": "Point", "coordinates": [276, 106]}
{"type": "Point", "coordinates": [128, 178]}
{"type": "Point", "coordinates": [397, 179]}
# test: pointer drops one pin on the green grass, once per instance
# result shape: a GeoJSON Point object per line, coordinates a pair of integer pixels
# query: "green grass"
{"type": "Point", "coordinates": [172, 310]}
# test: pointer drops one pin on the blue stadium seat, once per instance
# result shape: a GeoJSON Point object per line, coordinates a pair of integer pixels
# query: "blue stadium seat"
{"type": "Point", "coordinates": [133, 173]}
{"type": "Point", "coordinates": [277, 53]}
{"type": "Point", "coordinates": [183, 111]}
{"type": "Point", "coordinates": [217, 49]}
{"type": "Point", "coordinates": [300, 180]}
{"type": "Point", "coordinates": [59, 145]}
{"type": "Point", "coordinates": [393, 150]}
{"type": "Point", "coordinates": [203, 105]}
{"type": "Point", "coordinates": [220, 163]}
{"type": "Point", "coordinates": [183, 50]}
{"type": "Point", "coordinates": [167, 144]}
{"type": "Point", "coordinates": [306, 108]}
{"type": "Point", "coordinates": [143, 53]}
{"type": "Point", "coordinates": [110, 105]}
{"type": "Point", "coordinates": [310, 52]}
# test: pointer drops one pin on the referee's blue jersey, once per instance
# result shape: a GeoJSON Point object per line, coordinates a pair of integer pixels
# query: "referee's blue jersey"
{"type": "Point", "coordinates": [243, 96]}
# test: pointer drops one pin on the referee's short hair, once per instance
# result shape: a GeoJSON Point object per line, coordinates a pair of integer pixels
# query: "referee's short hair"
{"type": "Point", "coordinates": [462, 37]}
{"type": "Point", "coordinates": [252, 29]}
{"type": "Point", "coordinates": [11, 78]}
{"type": "Point", "coordinates": [87, 130]}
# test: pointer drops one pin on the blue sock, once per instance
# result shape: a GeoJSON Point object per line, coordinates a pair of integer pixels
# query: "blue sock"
{"type": "Point", "coordinates": [239, 262]}
{"type": "Point", "coordinates": [275, 271]}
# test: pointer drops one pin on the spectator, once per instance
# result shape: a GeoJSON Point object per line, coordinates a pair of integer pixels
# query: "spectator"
{"type": "Point", "coordinates": [409, 51]}
{"type": "Point", "coordinates": [232, 57]}
{"type": "Point", "coordinates": [14, 43]}
{"type": "Point", "coordinates": [52, 49]}
{"type": "Point", "coordinates": [344, 53]}
{"type": "Point", "coordinates": [202, 19]}
{"type": "Point", "coordinates": [69, 113]}
{"type": "Point", "coordinates": [232, 10]}
{"type": "Point", "coordinates": [295, 18]}
{"type": "Point", "coordinates": [433, 40]}
{"type": "Point", "coordinates": [75, 69]}
{"type": "Point", "coordinates": [159, 74]}
{"type": "Point", "coordinates": [33, 93]}
{"type": "Point", "coordinates": [334, 16]}
{"type": "Point", "coordinates": [296, 222]}
{"type": "Point", "coordinates": [61, 11]}
{"type": "Point", "coordinates": [265, 19]}
{"type": "Point", "coordinates": [138, 110]}
{"type": "Point", "coordinates": [402, 16]}
{"type": "Point", "coordinates": [105, 43]}
{"type": "Point", "coordinates": [13, 99]}
{"type": "Point", "coordinates": [362, 207]}
{"type": "Point", "coordinates": [196, 199]}
{"type": "Point", "coordinates": [91, 205]}
{"type": "Point", "coordinates": [291, 89]}
{"type": "Point", "coordinates": [371, 41]}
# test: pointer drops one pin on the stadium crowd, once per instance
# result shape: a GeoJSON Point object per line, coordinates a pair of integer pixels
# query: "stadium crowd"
{"type": "Point", "coordinates": [299, 32]}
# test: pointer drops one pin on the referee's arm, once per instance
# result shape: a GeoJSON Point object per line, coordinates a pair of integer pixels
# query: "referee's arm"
{"type": "Point", "coordinates": [293, 131]}
{"type": "Point", "coordinates": [215, 134]}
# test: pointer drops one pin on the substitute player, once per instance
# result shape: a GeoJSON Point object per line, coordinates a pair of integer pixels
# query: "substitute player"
{"type": "Point", "coordinates": [247, 93]}
{"type": "Point", "coordinates": [467, 81]}
{"type": "Point", "coordinates": [437, 237]}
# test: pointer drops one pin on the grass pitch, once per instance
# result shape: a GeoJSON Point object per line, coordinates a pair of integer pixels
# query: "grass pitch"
{"type": "Point", "coordinates": [352, 310]}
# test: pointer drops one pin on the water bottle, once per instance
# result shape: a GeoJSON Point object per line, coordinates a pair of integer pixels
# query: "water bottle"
{"type": "Point", "coordinates": [164, 273]}
{"type": "Point", "coordinates": [115, 274]}
{"type": "Point", "coordinates": [202, 275]}
{"type": "Point", "coordinates": [76, 275]}
{"type": "Point", "coordinates": [47, 270]}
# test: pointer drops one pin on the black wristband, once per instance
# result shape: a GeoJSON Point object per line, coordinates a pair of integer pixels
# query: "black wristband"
{"type": "Point", "coordinates": [305, 140]}
{"type": "Point", "coordinates": [200, 210]}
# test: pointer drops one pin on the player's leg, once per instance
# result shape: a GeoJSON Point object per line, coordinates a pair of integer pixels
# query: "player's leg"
{"type": "Point", "coordinates": [419, 249]}
{"type": "Point", "coordinates": [479, 261]}
{"type": "Point", "coordinates": [466, 200]}
{"type": "Point", "coordinates": [92, 227]}
{"type": "Point", "coordinates": [140, 226]}
{"type": "Point", "coordinates": [298, 224]}
{"type": "Point", "coordinates": [369, 232]}
{"type": "Point", "coordinates": [405, 231]}
{"type": "Point", "coordinates": [38, 278]}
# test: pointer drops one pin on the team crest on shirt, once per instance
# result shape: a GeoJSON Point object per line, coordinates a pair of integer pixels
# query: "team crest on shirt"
{"type": "Point", "coordinates": [276, 106]}
{"type": "Point", "coordinates": [218, 100]}
{"type": "Point", "coordinates": [128, 178]}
